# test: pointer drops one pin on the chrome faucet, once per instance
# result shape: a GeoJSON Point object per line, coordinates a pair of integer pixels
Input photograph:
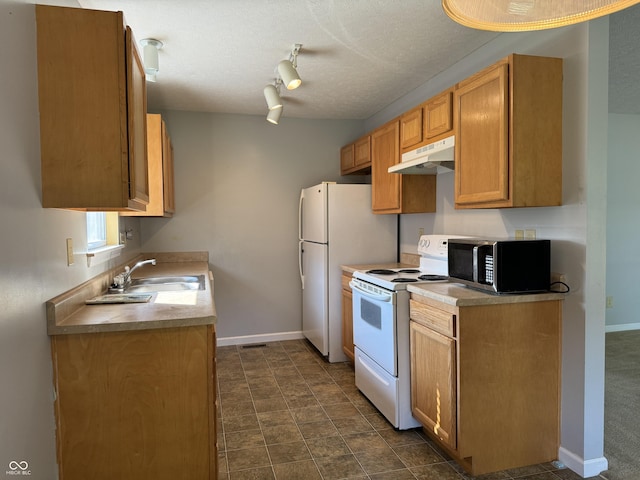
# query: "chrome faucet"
{"type": "Point", "coordinates": [128, 271]}
{"type": "Point", "coordinates": [122, 280]}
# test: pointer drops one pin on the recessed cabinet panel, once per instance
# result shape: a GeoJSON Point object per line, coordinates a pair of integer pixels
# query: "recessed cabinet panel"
{"type": "Point", "coordinates": [137, 116]}
{"type": "Point", "coordinates": [160, 170]}
{"type": "Point", "coordinates": [433, 382]}
{"type": "Point", "coordinates": [411, 128]}
{"type": "Point", "coordinates": [438, 115]}
{"type": "Point", "coordinates": [385, 152]}
{"type": "Point", "coordinates": [481, 143]}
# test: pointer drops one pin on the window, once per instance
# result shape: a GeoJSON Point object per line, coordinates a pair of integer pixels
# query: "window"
{"type": "Point", "coordinates": [102, 230]}
{"type": "Point", "coordinates": [96, 230]}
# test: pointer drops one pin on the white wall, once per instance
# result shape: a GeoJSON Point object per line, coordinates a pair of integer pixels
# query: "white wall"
{"type": "Point", "coordinates": [623, 227]}
{"type": "Point", "coordinates": [238, 181]}
{"type": "Point", "coordinates": [33, 265]}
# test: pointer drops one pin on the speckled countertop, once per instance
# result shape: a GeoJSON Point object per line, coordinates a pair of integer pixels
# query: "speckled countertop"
{"type": "Point", "coordinates": [458, 295]}
{"type": "Point", "coordinates": [67, 313]}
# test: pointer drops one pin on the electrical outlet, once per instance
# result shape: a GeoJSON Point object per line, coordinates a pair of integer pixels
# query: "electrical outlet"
{"type": "Point", "coordinates": [610, 302]}
{"type": "Point", "coordinates": [530, 234]}
{"type": "Point", "coordinates": [558, 277]}
{"type": "Point", "coordinates": [519, 234]}
{"type": "Point", "coordinates": [421, 231]}
{"type": "Point", "coordinates": [69, 251]}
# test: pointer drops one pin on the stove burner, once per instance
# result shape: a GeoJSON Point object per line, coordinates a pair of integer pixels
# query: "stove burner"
{"type": "Point", "coordinates": [409, 270]}
{"type": "Point", "coordinates": [431, 278]}
{"type": "Point", "coordinates": [381, 271]}
{"type": "Point", "coordinates": [404, 280]}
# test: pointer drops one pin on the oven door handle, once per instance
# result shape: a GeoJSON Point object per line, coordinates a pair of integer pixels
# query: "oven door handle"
{"type": "Point", "coordinates": [373, 296]}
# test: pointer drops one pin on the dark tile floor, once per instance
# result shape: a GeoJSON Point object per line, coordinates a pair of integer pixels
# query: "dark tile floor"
{"type": "Point", "coordinates": [287, 414]}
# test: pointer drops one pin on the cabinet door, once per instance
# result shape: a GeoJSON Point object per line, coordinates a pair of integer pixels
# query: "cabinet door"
{"type": "Point", "coordinates": [167, 173]}
{"type": "Point", "coordinates": [482, 154]}
{"type": "Point", "coordinates": [438, 115]}
{"type": "Point", "coordinates": [385, 152]}
{"type": "Point", "coordinates": [347, 318]}
{"type": "Point", "coordinates": [135, 405]}
{"type": "Point", "coordinates": [362, 154]}
{"type": "Point", "coordinates": [411, 128]}
{"type": "Point", "coordinates": [137, 120]}
{"type": "Point", "coordinates": [346, 158]}
{"type": "Point", "coordinates": [433, 382]}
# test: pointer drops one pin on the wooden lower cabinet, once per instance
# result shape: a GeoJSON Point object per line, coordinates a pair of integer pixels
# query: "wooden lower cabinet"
{"type": "Point", "coordinates": [136, 404]}
{"type": "Point", "coordinates": [433, 393]}
{"type": "Point", "coordinates": [485, 380]}
{"type": "Point", "coordinates": [347, 317]}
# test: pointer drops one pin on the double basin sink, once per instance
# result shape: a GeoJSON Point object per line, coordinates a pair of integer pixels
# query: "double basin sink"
{"type": "Point", "coordinates": [140, 289]}
{"type": "Point", "coordinates": [166, 284]}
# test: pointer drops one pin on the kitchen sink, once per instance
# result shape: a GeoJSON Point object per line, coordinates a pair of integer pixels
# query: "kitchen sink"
{"type": "Point", "coordinates": [166, 284]}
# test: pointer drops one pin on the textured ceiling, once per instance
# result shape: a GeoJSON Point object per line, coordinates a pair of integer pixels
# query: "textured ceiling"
{"type": "Point", "coordinates": [358, 56]}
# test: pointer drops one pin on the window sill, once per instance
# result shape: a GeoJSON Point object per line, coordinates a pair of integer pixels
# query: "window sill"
{"type": "Point", "coordinates": [103, 254]}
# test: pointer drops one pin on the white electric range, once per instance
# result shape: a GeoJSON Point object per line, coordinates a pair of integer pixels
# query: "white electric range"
{"type": "Point", "coordinates": [381, 328]}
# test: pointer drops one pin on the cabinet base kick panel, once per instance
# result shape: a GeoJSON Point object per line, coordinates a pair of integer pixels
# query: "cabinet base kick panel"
{"type": "Point", "coordinates": [383, 390]}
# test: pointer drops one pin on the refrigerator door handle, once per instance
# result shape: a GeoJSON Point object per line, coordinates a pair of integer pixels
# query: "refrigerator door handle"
{"type": "Point", "coordinates": [300, 216]}
{"type": "Point", "coordinates": [300, 263]}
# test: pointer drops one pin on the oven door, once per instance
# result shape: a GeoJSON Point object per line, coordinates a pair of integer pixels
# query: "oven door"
{"type": "Point", "coordinates": [374, 324]}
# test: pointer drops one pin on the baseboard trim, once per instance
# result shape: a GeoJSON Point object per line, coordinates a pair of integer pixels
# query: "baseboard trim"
{"type": "Point", "coordinates": [263, 338]}
{"type": "Point", "coordinates": [584, 468]}
{"type": "Point", "coordinates": [622, 327]}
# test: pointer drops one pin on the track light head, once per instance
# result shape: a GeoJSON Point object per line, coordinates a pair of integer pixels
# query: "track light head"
{"type": "Point", "coordinates": [272, 96]}
{"type": "Point", "coordinates": [274, 115]}
{"type": "Point", "coordinates": [289, 75]}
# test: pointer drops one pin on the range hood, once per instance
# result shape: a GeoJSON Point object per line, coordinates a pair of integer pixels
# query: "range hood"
{"type": "Point", "coordinates": [430, 159]}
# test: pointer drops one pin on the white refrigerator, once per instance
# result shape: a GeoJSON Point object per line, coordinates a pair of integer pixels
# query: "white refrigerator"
{"type": "Point", "coordinates": [336, 227]}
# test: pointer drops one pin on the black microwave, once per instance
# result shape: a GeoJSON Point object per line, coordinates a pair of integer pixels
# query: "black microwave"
{"type": "Point", "coordinates": [501, 266]}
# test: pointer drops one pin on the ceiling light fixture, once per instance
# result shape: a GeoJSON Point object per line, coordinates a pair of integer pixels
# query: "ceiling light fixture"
{"type": "Point", "coordinates": [286, 75]}
{"type": "Point", "coordinates": [150, 47]}
{"type": "Point", "coordinates": [287, 69]}
{"type": "Point", "coordinates": [524, 15]}
{"type": "Point", "coordinates": [274, 115]}
{"type": "Point", "coordinates": [272, 95]}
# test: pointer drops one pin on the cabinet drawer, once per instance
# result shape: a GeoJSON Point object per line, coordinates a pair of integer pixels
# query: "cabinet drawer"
{"type": "Point", "coordinates": [438, 320]}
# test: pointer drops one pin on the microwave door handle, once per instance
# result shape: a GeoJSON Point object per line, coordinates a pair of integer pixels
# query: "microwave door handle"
{"type": "Point", "coordinates": [475, 263]}
{"type": "Point", "coordinates": [373, 296]}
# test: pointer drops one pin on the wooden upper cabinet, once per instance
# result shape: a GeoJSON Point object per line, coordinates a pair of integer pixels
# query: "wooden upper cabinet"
{"type": "Point", "coordinates": [355, 158]}
{"type": "Point", "coordinates": [411, 128]}
{"type": "Point", "coordinates": [385, 152]}
{"type": "Point", "coordinates": [167, 174]}
{"type": "Point", "coordinates": [438, 115]}
{"type": "Point", "coordinates": [392, 192]}
{"type": "Point", "coordinates": [347, 158]}
{"type": "Point", "coordinates": [92, 99]}
{"type": "Point", "coordinates": [160, 173]}
{"type": "Point", "coordinates": [508, 124]}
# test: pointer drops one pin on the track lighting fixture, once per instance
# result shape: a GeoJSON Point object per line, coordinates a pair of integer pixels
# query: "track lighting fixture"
{"type": "Point", "coordinates": [274, 115]}
{"type": "Point", "coordinates": [150, 47]}
{"type": "Point", "coordinates": [287, 75]}
{"type": "Point", "coordinates": [272, 95]}
{"type": "Point", "coordinates": [287, 69]}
